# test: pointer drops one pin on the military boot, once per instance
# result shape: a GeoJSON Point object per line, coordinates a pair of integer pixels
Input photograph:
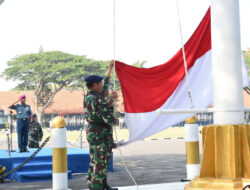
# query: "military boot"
{"type": "Point", "coordinates": [96, 189]}
{"type": "Point", "coordinates": [106, 186]}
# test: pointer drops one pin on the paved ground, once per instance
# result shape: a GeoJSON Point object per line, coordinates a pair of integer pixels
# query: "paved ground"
{"type": "Point", "coordinates": [161, 186]}
{"type": "Point", "coordinates": [150, 162]}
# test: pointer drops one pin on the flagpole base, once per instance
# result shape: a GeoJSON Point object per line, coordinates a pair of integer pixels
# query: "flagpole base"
{"type": "Point", "coordinates": [226, 158]}
{"type": "Point", "coordinates": [215, 184]}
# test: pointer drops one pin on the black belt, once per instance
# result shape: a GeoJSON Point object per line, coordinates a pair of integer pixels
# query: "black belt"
{"type": "Point", "coordinates": [97, 123]}
{"type": "Point", "coordinates": [23, 119]}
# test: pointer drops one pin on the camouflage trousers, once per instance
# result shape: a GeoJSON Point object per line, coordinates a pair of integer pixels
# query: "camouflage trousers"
{"type": "Point", "coordinates": [33, 144]}
{"type": "Point", "coordinates": [99, 161]}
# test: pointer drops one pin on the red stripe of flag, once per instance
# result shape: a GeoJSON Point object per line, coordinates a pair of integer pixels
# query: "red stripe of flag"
{"type": "Point", "coordinates": [147, 89]}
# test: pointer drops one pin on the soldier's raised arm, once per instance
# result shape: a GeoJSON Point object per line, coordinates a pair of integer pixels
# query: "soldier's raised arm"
{"type": "Point", "coordinates": [107, 77]}
{"type": "Point", "coordinates": [111, 65]}
{"type": "Point", "coordinates": [13, 106]}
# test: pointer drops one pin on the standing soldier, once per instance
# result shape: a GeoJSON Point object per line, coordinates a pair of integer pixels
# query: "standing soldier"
{"type": "Point", "coordinates": [35, 132]}
{"type": "Point", "coordinates": [99, 131]}
{"type": "Point", "coordinates": [23, 113]}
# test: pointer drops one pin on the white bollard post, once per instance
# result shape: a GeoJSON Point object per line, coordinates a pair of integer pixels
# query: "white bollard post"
{"type": "Point", "coordinates": [192, 148]}
{"type": "Point", "coordinates": [60, 167]}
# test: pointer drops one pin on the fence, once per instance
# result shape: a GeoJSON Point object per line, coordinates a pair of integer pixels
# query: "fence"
{"type": "Point", "coordinates": [78, 123]}
{"type": "Point", "coordinates": [204, 119]}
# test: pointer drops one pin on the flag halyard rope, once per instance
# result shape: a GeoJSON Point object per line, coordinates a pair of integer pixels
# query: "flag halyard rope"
{"type": "Point", "coordinates": [114, 58]}
{"type": "Point", "coordinates": [184, 57]}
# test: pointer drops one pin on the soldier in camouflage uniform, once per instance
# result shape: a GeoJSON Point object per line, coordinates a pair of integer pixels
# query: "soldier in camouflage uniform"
{"type": "Point", "coordinates": [100, 117]}
{"type": "Point", "coordinates": [35, 133]}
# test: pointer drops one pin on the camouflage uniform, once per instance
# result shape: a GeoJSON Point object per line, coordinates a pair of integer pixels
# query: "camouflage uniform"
{"type": "Point", "coordinates": [35, 133]}
{"type": "Point", "coordinates": [99, 136]}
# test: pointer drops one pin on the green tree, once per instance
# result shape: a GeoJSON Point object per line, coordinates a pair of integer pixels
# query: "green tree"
{"type": "Point", "coordinates": [246, 55]}
{"type": "Point", "coordinates": [139, 64]}
{"type": "Point", "coordinates": [46, 73]}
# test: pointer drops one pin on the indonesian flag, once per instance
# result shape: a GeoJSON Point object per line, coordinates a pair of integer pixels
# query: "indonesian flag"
{"type": "Point", "coordinates": [164, 87]}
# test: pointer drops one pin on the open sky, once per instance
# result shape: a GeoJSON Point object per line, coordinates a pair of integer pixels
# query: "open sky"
{"type": "Point", "coordinates": [144, 29]}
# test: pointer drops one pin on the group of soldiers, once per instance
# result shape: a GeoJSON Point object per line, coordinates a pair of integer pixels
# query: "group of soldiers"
{"type": "Point", "coordinates": [75, 123]}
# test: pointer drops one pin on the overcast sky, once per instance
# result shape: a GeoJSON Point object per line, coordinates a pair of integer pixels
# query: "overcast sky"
{"type": "Point", "coordinates": [145, 29]}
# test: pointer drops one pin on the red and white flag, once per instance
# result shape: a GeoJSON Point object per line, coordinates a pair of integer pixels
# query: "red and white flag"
{"type": "Point", "coordinates": [145, 90]}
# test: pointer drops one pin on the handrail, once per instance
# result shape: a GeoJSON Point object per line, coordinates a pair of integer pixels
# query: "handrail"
{"type": "Point", "coordinates": [200, 110]}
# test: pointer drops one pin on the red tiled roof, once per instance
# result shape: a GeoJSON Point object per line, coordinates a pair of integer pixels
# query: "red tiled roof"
{"type": "Point", "coordinates": [64, 102]}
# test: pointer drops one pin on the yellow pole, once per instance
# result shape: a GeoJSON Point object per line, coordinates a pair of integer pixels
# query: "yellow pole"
{"type": "Point", "coordinates": [225, 160]}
